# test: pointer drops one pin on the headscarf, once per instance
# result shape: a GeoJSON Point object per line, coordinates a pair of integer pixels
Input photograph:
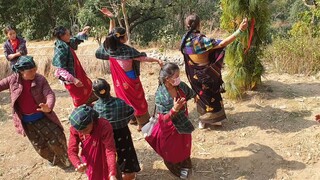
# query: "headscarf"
{"type": "Point", "coordinates": [82, 116]}
{"type": "Point", "coordinates": [24, 63]}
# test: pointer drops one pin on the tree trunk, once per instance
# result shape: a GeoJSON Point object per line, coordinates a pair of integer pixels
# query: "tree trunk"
{"type": "Point", "coordinates": [80, 3]}
{"type": "Point", "coordinates": [123, 6]}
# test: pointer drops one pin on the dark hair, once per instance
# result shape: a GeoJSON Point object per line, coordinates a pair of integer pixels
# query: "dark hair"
{"type": "Point", "coordinates": [167, 71]}
{"type": "Point", "coordinates": [101, 88]}
{"type": "Point", "coordinates": [8, 28]}
{"type": "Point", "coordinates": [59, 31]}
{"type": "Point", "coordinates": [192, 22]}
{"type": "Point", "coordinates": [113, 39]}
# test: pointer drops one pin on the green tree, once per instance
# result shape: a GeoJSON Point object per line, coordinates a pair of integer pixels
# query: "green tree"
{"type": "Point", "coordinates": [243, 62]}
{"type": "Point", "coordinates": [308, 22]}
{"type": "Point", "coordinates": [35, 19]}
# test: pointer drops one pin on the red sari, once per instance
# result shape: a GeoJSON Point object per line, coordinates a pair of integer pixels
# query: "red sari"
{"type": "Point", "coordinates": [172, 146]}
{"type": "Point", "coordinates": [168, 143]}
{"type": "Point", "coordinates": [129, 90]}
{"type": "Point", "coordinates": [80, 95]}
{"type": "Point", "coordinates": [98, 150]}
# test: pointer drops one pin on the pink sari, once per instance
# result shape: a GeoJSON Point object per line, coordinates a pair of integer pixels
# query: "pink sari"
{"type": "Point", "coordinates": [129, 90]}
{"type": "Point", "coordinates": [168, 143]}
{"type": "Point", "coordinates": [80, 95]}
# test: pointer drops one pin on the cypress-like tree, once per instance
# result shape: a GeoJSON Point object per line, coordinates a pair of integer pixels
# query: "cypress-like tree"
{"type": "Point", "coordinates": [244, 68]}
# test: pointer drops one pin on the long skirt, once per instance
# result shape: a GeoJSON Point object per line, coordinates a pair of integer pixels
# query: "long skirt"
{"type": "Point", "coordinates": [126, 153]}
{"type": "Point", "coordinates": [131, 91]}
{"type": "Point", "coordinates": [206, 81]}
{"type": "Point", "coordinates": [48, 140]}
{"type": "Point", "coordinates": [174, 148]}
{"type": "Point", "coordinates": [80, 95]}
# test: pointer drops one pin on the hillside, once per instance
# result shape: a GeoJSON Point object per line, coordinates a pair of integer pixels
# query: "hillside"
{"type": "Point", "coordinates": [270, 134]}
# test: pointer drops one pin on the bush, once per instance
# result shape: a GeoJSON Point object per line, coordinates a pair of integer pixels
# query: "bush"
{"type": "Point", "coordinates": [296, 55]}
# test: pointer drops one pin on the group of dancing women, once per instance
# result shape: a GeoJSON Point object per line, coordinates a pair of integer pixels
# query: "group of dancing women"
{"type": "Point", "coordinates": [99, 121]}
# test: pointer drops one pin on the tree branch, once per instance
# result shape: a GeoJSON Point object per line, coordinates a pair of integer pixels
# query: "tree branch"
{"type": "Point", "coordinates": [144, 20]}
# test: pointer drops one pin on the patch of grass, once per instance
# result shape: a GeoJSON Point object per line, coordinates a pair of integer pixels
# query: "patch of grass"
{"type": "Point", "coordinates": [3, 115]}
{"type": "Point", "coordinates": [295, 55]}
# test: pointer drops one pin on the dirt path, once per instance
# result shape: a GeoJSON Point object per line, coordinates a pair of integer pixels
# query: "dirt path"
{"type": "Point", "coordinates": [271, 134]}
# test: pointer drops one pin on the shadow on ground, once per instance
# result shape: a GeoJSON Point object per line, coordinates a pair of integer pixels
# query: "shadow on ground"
{"type": "Point", "coordinates": [268, 118]}
{"type": "Point", "coordinates": [275, 90]}
{"type": "Point", "coordinates": [261, 163]}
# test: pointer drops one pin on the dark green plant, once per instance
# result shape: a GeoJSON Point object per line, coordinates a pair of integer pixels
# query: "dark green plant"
{"type": "Point", "coordinates": [243, 63]}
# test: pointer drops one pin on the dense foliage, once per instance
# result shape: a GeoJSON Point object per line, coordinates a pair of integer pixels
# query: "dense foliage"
{"type": "Point", "coordinates": [243, 62]}
{"type": "Point", "coordinates": [149, 20]}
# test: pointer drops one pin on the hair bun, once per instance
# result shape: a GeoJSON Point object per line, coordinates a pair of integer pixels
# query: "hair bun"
{"type": "Point", "coordinates": [103, 91]}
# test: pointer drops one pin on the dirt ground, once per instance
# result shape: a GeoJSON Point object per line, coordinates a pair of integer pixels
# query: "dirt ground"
{"type": "Point", "coordinates": [270, 134]}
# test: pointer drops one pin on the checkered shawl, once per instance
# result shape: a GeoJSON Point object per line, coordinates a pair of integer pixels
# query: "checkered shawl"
{"type": "Point", "coordinates": [24, 63]}
{"type": "Point", "coordinates": [164, 102]}
{"type": "Point", "coordinates": [62, 57]}
{"type": "Point", "coordinates": [115, 110]}
{"type": "Point", "coordinates": [123, 52]}
{"type": "Point", "coordinates": [82, 116]}
{"type": "Point", "coordinates": [198, 43]}
{"type": "Point", "coordinates": [102, 53]}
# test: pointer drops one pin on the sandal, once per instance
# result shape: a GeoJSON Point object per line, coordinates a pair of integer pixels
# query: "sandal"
{"type": "Point", "coordinates": [184, 172]}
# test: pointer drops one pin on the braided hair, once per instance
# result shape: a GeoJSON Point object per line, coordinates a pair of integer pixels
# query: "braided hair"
{"type": "Point", "coordinates": [192, 23]}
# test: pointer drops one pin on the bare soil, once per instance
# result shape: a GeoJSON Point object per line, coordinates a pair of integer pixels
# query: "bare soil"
{"type": "Point", "coordinates": [270, 134]}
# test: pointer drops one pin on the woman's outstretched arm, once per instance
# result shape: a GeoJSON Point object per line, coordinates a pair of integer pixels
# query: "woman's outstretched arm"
{"type": "Point", "coordinates": [243, 26]}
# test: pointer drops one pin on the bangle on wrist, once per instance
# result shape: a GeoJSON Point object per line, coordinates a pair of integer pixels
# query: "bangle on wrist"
{"type": "Point", "coordinates": [237, 33]}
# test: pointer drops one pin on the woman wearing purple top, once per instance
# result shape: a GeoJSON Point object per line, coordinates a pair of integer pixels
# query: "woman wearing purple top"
{"type": "Point", "coordinates": [203, 58]}
{"type": "Point", "coordinates": [15, 46]}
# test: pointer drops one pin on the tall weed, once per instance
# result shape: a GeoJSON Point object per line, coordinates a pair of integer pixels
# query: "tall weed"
{"type": "Point", "coordinates": [295, 55]}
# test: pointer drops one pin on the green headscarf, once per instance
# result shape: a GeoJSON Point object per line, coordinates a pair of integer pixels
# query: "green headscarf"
{"type": "Point", "coordinates": [24, 63]}
{"type": "Point", "coordinates": [82, 116]}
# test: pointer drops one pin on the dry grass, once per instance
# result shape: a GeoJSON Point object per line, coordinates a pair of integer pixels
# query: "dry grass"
{"type": "Point", "coordinates": [271, 134]}
{"type": "Point", "coordinates": [297, 55]}
{"type": "Point", "coordinates": [43, 54]}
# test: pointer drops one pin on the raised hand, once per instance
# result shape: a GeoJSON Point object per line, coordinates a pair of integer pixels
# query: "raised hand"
{"type": "Point", "coordinates": [244, 24]}
{"type": "Point", "coordinates": [106, 12]}
{"type": "Point", "coordinates": [178, 103]}
{"type": "Point", "coordinates": [86, 30]}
